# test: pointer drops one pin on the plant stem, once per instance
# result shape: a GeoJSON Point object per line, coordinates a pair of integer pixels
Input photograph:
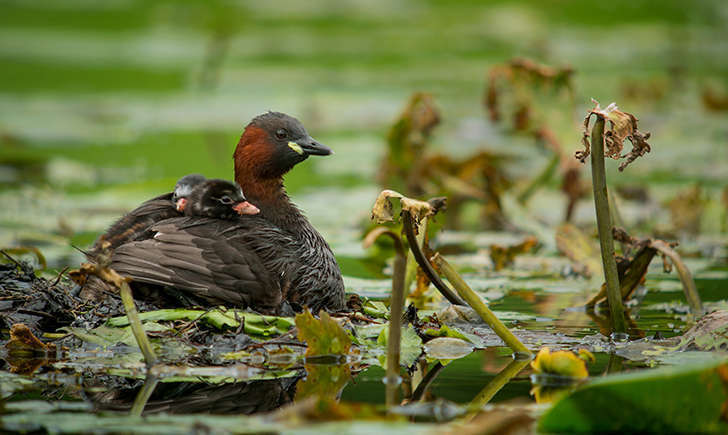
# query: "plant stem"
{"type": "Point", "coordinates": [396, 308]}
{"type": "Point", "coordinates": [691, 292]}
{"type": "Point", "coordinates": [409, 230]}
{"type": "Point", "coordinates": [604, 225]}
{"type": "Point", "coordinates": [142, 397]}
{"type": "Point", "coordinates": [475, 301]}
{"type": "Point", "coordinates": [136, 324]}
{"type": "Point", "coordinates": [495, 384]}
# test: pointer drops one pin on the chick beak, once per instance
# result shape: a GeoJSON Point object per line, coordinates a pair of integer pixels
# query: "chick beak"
{"type": "Point", "coordinates": [246, 208]}
{"type": "Point", "coordinates": [313, 148]}
{"type": "Point", "coordinates": [181, 204]}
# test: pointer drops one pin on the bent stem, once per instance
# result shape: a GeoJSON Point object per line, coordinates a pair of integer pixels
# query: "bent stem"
{"type": "Point", "coordinates": [474, 300]}
{"type": "Point", "coordinates": [604, 225]}
{"type": "Point", "coordinates": [409, 230]}
{"type": "Point", "coordinates": [691, 292]}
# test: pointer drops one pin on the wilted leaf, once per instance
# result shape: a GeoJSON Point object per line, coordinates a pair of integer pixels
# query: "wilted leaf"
{"type": "Point", "coordinates": [664, 400]}
{"type": "Point", "coordinates": [22, 340]}
{"type": "Point", "coordinates": [573, 243]}
{"type": "Point", "coordinates": [686, 210]}
{"type": "Point", "coordinates": [382, 211]}
{"type": "Point", "coordinates": [622, 125]}
{"type": "Point", "coordinates": [503, 256]}
{"type": "Point", "coordinates": [324, 336]}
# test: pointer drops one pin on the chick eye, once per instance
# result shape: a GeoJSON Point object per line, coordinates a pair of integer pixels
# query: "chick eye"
{"type": "Point", "coordinates": [281, 133]}
{"type": "Point", "coordinates": [226, 200]}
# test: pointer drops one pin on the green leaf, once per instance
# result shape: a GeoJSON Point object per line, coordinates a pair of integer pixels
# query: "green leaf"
{"type": "Point", "coordinates": [410, 346]}
{"type": "Point", "coordinates": [323, 336]}
{"type": "Point", "coordinates": [664, 400]}
{"type": "Point", "coordinates": [220, 318]}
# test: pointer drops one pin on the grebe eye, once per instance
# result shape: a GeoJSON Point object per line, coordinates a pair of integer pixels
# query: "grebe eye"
{"type": "Point", "coordinates": [281, 134]}
{"type": "Point", "coordinates": [226, 200]}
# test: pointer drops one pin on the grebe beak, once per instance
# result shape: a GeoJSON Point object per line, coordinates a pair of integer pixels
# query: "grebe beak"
{"type": "Point", "coordinates": [313, 148]}
{"type": "Point", "coordinates": [246, 208]}
{"type": "Point", "coordinates": [181, 204]}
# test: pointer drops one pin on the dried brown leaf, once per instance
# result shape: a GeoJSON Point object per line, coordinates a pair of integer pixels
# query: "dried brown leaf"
{"type": "Point", "coordinates": [621, 126]}
{"type": "Point", "coordinates": [383, 209]}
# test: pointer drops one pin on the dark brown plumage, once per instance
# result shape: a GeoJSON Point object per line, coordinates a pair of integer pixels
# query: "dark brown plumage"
{"type": "Point", "coordinates": [251, 261]}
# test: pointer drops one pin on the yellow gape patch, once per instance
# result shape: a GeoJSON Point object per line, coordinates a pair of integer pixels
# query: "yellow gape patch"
{"type": "Point", "coordinates": [295, 147]}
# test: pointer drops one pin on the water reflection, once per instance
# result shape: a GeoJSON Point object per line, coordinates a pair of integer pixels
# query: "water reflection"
{"type": "Point", "coordinates": [181, 398]}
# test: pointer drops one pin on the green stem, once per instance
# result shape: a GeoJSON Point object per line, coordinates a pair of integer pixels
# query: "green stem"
{"type": "Point", "coordinates": [136, 325]}
{"type": "Point", "coordinates": [409, 230]}
{"type": "Point", "coordinates": [495, 384]}
{"type": "Point", "coordinates": [142, 397]}
{"type": "Point", "coordinates": [604, 225]}
{"type": "Point", "coordinates": [396, 308]}
{"type": "Point", "coordinates": [475, 301]}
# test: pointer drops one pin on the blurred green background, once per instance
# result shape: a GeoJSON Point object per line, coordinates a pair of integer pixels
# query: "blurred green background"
{"type": "Point", "coordinates": [104, 104]}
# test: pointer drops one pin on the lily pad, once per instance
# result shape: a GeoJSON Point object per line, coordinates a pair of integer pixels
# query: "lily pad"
{"type": "Point", "coordinates": [664, 400]}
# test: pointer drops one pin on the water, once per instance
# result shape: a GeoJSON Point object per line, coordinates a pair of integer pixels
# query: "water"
{"type": "Point", "coordinates": [104, 106]}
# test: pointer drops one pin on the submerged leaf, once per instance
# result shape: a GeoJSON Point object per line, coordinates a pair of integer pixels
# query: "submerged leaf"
{"type": "Point", "coordinates": [324, 336]}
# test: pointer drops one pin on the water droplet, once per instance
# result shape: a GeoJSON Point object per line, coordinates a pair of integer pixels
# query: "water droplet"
{"type": "Point", "coordinates": [395, 381]}
{"type": "Point", "coordinates": [619, 336]}
{"type": "Point", "coordinates": [522, 356]}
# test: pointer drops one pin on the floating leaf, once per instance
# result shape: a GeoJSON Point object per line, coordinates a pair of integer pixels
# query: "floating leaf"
{"type": "Point", "coordinates": [447, 348]}
{"type": "Point", "coordinates": [254, 324]}
{"type": "Point", "coordinates": [665, 400]}
{"type": "Point", "coordinates": [324, 336]}
{"type": "Point", "coordinates": [708, 334]}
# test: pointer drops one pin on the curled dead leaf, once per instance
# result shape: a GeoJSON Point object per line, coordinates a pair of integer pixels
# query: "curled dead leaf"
{"type": "Point", "coordinates": [383, 209]}
{"type": "Point", "coordinates": [622, 126]}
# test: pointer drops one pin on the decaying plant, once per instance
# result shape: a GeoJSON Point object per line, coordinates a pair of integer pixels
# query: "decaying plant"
{"type": "Point", "coordinates": [541, 101]}
{"type": "Point", "coordinates": [686, 210]}
{"type": "Point", "coordinates": [413, 213]}
{"type": "Point", "coordinates": [407, 140]}
{"type": "Point", "coordinates": [622, 126]}
{"type": "Point", "coordinates": [632, 268]}
{"type": "Point", "coordinates": [479, 177]}
{"type": "Point", "coordinates": [410, 167]}
{"type": "Point", "coordinates": [601, 142]}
